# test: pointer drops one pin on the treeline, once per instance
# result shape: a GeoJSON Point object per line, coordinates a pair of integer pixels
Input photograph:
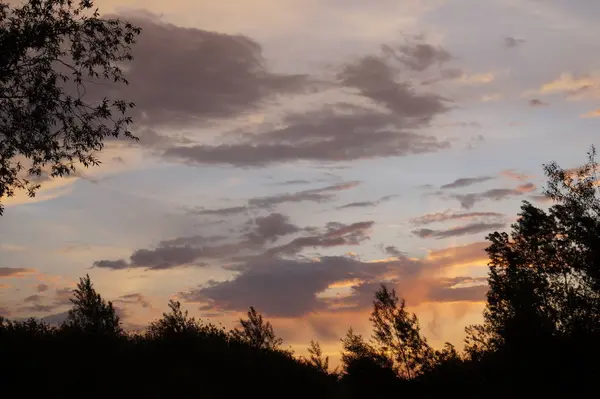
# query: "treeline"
{"type": "Point", "coordinates": [539, 337]}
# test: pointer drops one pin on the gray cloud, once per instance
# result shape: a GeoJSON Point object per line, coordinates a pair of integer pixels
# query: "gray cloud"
{"type": "Point", "coordinates": [511, 42]}
{"type": "Point", "coordinates": [335, 235]}
{"type": "Point", "coordinates": [343, 131]}
{"type": "Point", "coordinates": [467, 201]}
{"type": "Point", "coordinates": [183, 76]}
{"type": "Point", "coordinates": [392, 250]}
{"type": "Point", "coordinates": [63, 296]}
{"type": "Point", "coordinates": [56, 319]}
{"type": "Point", "coordinates": [465, 182]}
{"type": "Point", "coordinates": [291, 287]}
{"type": "Point", "coordinates": [232, 210]}
{"type": "Point", "coordinates": [367, 204]}
{"type": "Point", "coordinates": [12, 271]}
{"type": "Point", "coordinates": [37, 308]}
{"type": "Point", "coordinates": [469, 229]}
{"type": "Point", "coordinates": [42, 288]}
{"type": "Point", "coordinates": [322, 194]}
{"type": "Point", "coordinates": [448, 216]}
{"type": "Point", "coordinates": [292, 182]}
{"type": "Point", "coordinates": [360, 204]}
{"type": "Point", "coordinates": [324, 135]}
{"type": "Point", "coordinates": [418, 56]}
{"type": "Point", "coordinates": [280, 287]}
{"type": "Point", "coordinates": [375, 79]}
{"type": "Point", "coordinates": [536, 102]}
{"type": "Point", "coordinates": [133, 299]}
{"type": "Point", "coordinates": [253, 242]}
{"type": "Point", "coordinates": [315, 195]}
{"type": "Point", "coordinates": [270, 228]}
{"type": "Point", "coordinates": [33, 298]}
{"type": "Point", "coordinates": [5, 312]}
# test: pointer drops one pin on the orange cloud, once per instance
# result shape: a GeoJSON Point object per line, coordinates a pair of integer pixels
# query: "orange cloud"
{"type": "Point", "coordinates": [592, 114]}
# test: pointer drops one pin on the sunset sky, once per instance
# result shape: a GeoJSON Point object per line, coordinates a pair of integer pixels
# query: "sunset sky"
{"type": "Point", "coordinates": [294, 154]}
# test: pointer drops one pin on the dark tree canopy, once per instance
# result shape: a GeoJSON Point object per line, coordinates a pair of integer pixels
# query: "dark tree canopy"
{"type": "Point", "coordinates": [257, 332]}
{"type": "Point", "coordinates": [539, 336]}
{"type": "Point", "coordinates": [91, 313]}
{"type": "Point", "coordinates": [52, 51]}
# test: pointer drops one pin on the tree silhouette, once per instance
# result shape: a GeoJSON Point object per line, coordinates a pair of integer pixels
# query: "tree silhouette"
{"type": "Point", "coordinates": [257, 332]}
{"type": "Point", "coordinates": [316, 358]}
{"type": "Point", "coordinates": [398, 335]}
{"type": "Point", "coordinates": [545, 288]}
{"type": "Point", "coordinates": [177, 323]}
{"type": "Point", "coordinates": [90, 313]}
{"type": "Point", "coordinates": [51, 51]}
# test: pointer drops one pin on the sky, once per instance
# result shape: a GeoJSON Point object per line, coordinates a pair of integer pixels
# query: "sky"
{"type": "Point", "coordinates": [295, 154]}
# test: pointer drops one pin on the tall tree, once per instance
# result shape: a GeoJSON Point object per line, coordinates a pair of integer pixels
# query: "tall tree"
{"type": "Point", "coordinates": [91, 313]}
{"type": "Point", "coordinates": [257, 332]}
{"type": "Point", "coordinates": [398, 334]}
{"type": "Point", "coordinates": [543, 305]}
{"type": "Point", "coordinates": [51, 51]}
{"type": "Point", "coordinates": [316, 358]}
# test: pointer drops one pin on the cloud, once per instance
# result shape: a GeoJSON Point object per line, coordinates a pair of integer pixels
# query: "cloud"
{"type": "Point", "coordinates": [37, 308]}
{"type": "Point", "coordinates": [322, 194]}
{"type": "Point", "coordinates": [270, 228]}
{"type": "Point", "coordinates": [380, 119]}
{"type": "Point", "coordinates": [512, 174]}
{"type": "Point", "coordinates": [315, 195]}
{"type": "Point", "coordinates": [572, 86]}
{"type": "Point", "coordinates": [536, 102]}
{"type": "Point", "coordinates": [359, 204]}
{"type": "Point", "coordinates": [298, 287]}
{"type": "Point", "coordinates": [232, 210]}
{"type": "Point", "coordinates": [542, 199]}
{"type": "Point", "coordinates": [418, 56]}
{"type": "Point", "coordinates": [467, 201]}
{"type": "Point", "coordinates": [12, 248]}
{"type": "Point", "coordinates": [198, 75]}
{"type": "Point", "coordinates": [491, 97]}
{"type": "Point", "coordinates": [42, 288]}
{"type": "Point", "coordinates": [5, 312]}
{"type": "Point", "coordinates": [281, 287]}
{"type": "Point", "coordinates": [448, 216]}
{"type": "Point", "coordinates": [449, 290]}
{"type": "Point", "coordinates": [511, 42]}
{"type": "Point", "coordinates": [465, 182]}
{"type": "Point", "coordinates": [33, 298]}
{"type": "Point", "coordinates": [375, 79]}
{"type": "Point", "coordinates": [335, 234]}
{"type": "Point", "coordinates": [367, 204]}
{"type": "Point", "coordinates": [63, 296]}
{"type": "Point", "coordinates": [329, 134]}
{"type": "Point", "coordinates": [295, 287]}
{"type": "Point", "coordinates": [255, 238]}
{"type": "Point", "coordinates": [56, 319]}
{"type": "Point", "coordinates": [469, 229]}
{"type": "Point", "coordinates": [292, 182]}
{"type": "Point", "coordinates": [15, 272]}
{"type": "Point", "coordinates": [133, 299]}
{"type": "Point", "coordinates": [477, 79]}
{"type": "Point", "coordinates": [592, 114]}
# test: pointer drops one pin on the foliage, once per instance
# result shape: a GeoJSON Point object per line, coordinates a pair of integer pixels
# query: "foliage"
{"type": "Point", "coordinates": [539, 336]}
{"type": "Point", "coordinates": [316, 358]}
{"type": "Point", "coordinates": [52, 51]}
{"type": "Point", "coordinates": [90, 313]}
{"type": "Point", "coordinates": [256, 332]}
{"type": "Point", "coordinates": [397, 334]}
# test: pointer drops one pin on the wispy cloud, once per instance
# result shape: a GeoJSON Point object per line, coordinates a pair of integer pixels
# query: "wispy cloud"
{"type": "Point", "coordinates": [469, 229]}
